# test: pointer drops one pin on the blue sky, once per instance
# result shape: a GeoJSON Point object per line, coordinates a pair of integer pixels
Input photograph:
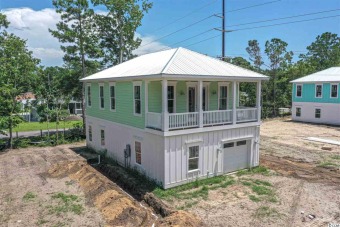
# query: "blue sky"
{"type": "Point", "coordinates": [298, 35]}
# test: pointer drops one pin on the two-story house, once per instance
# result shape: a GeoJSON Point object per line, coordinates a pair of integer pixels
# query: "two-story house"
{"type": "Point", "coordinates": [316, 97]}
{"type": "Point", "coordinates": [174, 115]}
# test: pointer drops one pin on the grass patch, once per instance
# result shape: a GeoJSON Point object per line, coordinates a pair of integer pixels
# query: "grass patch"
{"type": "Point", "coordinates": [337, 157]}
{"type": "Point", "coordinates": [66, 203]}
{"type": "Point", "coordinates": [29, 196]}
{"type": "Point", "coordinates": [254, 198]}
{"type": "Point", "coordinates": [41, 222]}
{"type": "Point", "coordinates": [187, 205]}
{"type": "Point", "coordinates": [36, 126]}
{"type": "Point", "coordinates": [195, 189]}
{"type": "Point", "coordinates": [328, 164]}
{"type": "Point", "coordinates": [261, 190]}
{"type": "Point", "coordinates": [266, 212]}
{"type": "Point", "coordinates": [256, 170]}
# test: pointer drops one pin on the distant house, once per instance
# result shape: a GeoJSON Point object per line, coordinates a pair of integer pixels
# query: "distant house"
{"type": "Point", "coordinates": [29, 112]}
{"type": "Point", "coordinates": [174, 116]}
{"type": "Point", "coordinates": [316, 97]}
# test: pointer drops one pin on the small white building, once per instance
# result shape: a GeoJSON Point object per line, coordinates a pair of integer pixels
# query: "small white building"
{"type": "Point", "coordinates": [316, 97]}
{"type": "Point", "coordinates": [174, 116]}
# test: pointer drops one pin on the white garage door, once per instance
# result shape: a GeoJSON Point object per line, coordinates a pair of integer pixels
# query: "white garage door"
{"type": "Point", "coordinates": [236, 156]}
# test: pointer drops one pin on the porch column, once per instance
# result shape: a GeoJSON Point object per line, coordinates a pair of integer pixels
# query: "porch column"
{"type": "Point", "coordinates": [200, 104]}
{"type": "Point", "coordinates": [234, 84]}
{"type": "Point", "coordinates": [258, 101]}
{"type": "Point", "coordinates": [146, 102]}
{"type": "Point", "coordinates": [165, 105]}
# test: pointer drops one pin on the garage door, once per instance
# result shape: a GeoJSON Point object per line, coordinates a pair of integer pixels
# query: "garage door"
{"type": "Point", "coordinates": [236, 156]}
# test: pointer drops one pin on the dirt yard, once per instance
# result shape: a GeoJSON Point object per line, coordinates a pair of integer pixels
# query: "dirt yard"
{"type": "Point", "coordinates": [55, 186]}
{"type": "Point", "coordinates": [298, 186]}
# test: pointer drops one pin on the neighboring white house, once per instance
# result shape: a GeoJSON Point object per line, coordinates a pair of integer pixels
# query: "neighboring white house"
{"type": "Point", "coordinates": [28, 111]}
{"type": "Point", "coordinates": [316, 97]}
{"type": "Point", "coordinates": [174, 116]}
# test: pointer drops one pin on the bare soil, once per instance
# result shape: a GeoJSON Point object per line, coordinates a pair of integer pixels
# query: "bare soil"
{"type": "Point", "coordinates": [304, 178]}
{"type": "Point", "coordinates": [55, 186]}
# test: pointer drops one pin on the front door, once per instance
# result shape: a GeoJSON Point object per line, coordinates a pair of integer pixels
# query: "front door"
{"type": "Point", "coordinates": [192, 99]}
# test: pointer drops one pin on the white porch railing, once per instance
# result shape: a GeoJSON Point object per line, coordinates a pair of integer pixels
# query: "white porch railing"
{"type": "Point", "coordinates": [217, 117]}
{"type": "Point", "coordinates": [183, 120]}
{"type": "Point", "coordinates": [154, 120]}
{"type": "Point", "coordinates": [246, 114]}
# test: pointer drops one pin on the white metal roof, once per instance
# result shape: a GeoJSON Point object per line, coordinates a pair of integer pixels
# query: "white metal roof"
{"type": "Point", "coordinates": [328, 75]}
{"type": "Point", "coordinates": [175, 62]}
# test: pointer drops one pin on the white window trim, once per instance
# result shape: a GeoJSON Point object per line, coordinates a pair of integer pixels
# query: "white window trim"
{"type": "Point", "coordinates": [87, 100]}
{"type": "Point", "coordinates": [100, 136]}
{"type": "Point", "coordinates": [296, 111]}
{"type": "Point", "coordinates": [173, 83]}
{"type": "Point", "coordinates": [192, 84]}
{"type": "Point", "coordinates": [317, 108]}
{"type": "Point", "coordinates": [141, 152]}
{"type": "Point", "coordinates": [206, 86]}
{"type": "Point", "coordinates": [137, 83]}
{"type": "Point", "coordinates": [114, 85]}
{"type": "Point", "coordinates": [321, 91]}
{"type": "Point", "coordinates": [192, 144]}
{"type": "Point", "coordinates": [101, 85]}
{"type": "Point", "coordinates": [301, 91]}
{"type": "Point", "coordinates": [337, 90]}
{"type": "Point", "coordinates": [220, 84]}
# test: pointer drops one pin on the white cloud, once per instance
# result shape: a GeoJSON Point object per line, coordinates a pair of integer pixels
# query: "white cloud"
{"type": "Point", "coordinates": [33, 26]}
{"type": "Point", "coordinates": [149, 45]}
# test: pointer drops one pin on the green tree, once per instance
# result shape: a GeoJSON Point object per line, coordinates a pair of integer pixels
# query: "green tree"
{"type": "Point", "coordinates": [117, 28]}
{"type": "Point", "coordinates": [324, 52]}
{"type": "Point", "coordinates": [81, 43]}
{"type": "Point", "coordinates": [254, 52]}
{"type": "Point", "coordinates": [280, 59]}
{"type": "Point", "coordinates": [17, 75]}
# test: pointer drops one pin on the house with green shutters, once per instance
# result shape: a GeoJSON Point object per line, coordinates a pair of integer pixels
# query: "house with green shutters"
{"type": "Point", "coordinates": [174, 115]}
{"type": "Point", "coordinates": [316, 97]}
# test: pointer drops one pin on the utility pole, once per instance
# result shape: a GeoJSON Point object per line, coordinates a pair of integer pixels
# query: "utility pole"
{"type": "Point", "coordinates": [223, 29]}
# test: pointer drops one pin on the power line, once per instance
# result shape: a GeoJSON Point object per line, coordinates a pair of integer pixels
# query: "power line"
{"type": "Point", "coordinates": [282, 18]}
{"type": "Point", "coordinates": [291, 22]}
{"type": "Point", "coordinates": [206, 18]}
{"type": "Point", "coordinates": [204, 40]}
{"type": "Point", "coordinates": [252, 6]}
{"type": "Point", "coordinates": [185, 16]}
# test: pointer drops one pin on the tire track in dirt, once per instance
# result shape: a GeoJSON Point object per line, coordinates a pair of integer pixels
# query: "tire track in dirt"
{"type": "Point", "coordinates": [302, 170]}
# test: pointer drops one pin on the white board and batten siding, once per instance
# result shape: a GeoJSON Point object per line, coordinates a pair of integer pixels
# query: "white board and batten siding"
{"type": "Point", "coordinates": [330, 112]}
{"type": "Point", "coordinates": [117, 136]}
{"type": "Point", "coordinates": [211, 153]}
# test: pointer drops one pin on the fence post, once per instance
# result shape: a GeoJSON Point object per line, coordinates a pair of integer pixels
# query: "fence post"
{"type": "Point", "coordinates": [41, 133]}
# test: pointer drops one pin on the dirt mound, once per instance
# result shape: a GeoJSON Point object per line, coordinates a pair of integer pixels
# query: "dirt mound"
{"type": "Point", "coordinates": [116, 206]}
{"type": "Point", "coordinates": [300, 169]}
{"type": "Point", "coordinates": [179, 219]}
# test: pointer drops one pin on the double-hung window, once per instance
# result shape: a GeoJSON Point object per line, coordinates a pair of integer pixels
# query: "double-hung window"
{"type": "Point", "coordinates": [101, 96]}
{"type": "Point", "coordinates": [137, 99]}
{"type": "Point", "coordinates": [193, 158]}
{"type": "Point", "coordinates": [317, 113]}
{"type": "Point", "coordinates": [334, 90]}
{"type": "Point", "coordinates": [171, 99]}
{"type": "Point", "coordinates": [138, 151]}
{"type": "Point", "coordinates": [112, 97]}
{"type": "Point", "coordinates": [318, 91]}
{"type": "Point", "coordinates": [102, 137]}
{"type": "Point", "coordinates": [90, 133]}
{"type": "Point", "coordinates": [298, 90]}
{"type": "Point", "coordinates": [298, 111]}
{"type": "Point", "coordinates": [89, 101]}
{"type": "Point", "coordinates": [223, 97]}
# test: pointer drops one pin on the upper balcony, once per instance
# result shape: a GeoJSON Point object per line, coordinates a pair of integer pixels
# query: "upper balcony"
{"type": "Point", "coordinates": [176, 105]}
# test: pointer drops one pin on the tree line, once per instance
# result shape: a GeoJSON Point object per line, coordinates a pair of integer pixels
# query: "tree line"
{"type": "Point", "coordinates": [93, 40]}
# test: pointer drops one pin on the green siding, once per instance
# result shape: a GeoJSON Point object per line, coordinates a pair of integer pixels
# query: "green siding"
{"type": "Point", "coordinates": [155, 96]}
{"type": "Point", "coordinates": [213, 96]}
{"type": "Point", "coordinates": [124, 105]}
{"type": "Point", "coordinates": [308, 94]}
{"type": "Point", "coordinates": [181, 97]}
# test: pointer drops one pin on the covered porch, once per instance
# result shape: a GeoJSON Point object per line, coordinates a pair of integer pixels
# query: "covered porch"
{"type": "Point", "coordinates": [183, 104]}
